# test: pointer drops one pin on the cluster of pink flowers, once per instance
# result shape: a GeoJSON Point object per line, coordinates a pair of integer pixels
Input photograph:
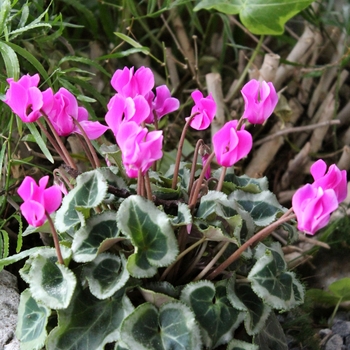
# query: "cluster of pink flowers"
{"type": "Point", "coordinates": [30, 103]}
{"type": "Point", "coordinates": [314, 203]}
{"type": "Point", "coordinates": [130, 109]}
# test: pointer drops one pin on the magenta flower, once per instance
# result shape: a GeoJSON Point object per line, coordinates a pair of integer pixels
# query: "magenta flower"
{"type": "Point", "coordinates": [130, 84]}
{"type": "Point", "coordinates": [62, 107]}
{"type": "Point", "coordinates": [126, 109]}
{"type": "Point", "coordinates": [163, 102]}
{"type": "Point", "coordinates": [260, 101]}
{"type": "Point", "coordinates": [231, 145]}
{"type": "Point", "coordinates": [140, 148]}
{"type": "Point", "coordinates": [204, 108]}
{"type": "Point", "coordinates": [38, 200]}
{"type": "Point", "coordinates": [334, 178]}
{"type": "Point", "coordinates": [313, 207]}
{"type": "Point", "coordinates": [24, 97]}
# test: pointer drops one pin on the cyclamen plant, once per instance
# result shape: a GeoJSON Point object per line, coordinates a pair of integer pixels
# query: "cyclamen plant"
{"type": "Point", "coordinates": [147, 260]}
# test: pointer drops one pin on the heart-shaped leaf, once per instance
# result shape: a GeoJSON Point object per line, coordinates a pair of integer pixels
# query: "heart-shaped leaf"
{"type": "Point", "coordinates": [270, 280]}
{"type": "Point", "coordinates": [32, 321]}
{"type": "Point", "coordinates": [89, 323]}
{"type": "Point", "coordinates": [215, 314]}
{"type": "Point", "coordinates": [151, 233]}
{"type": "Point", "coordinates": [89, 192]}
{"type": "Point", "coordinates": [263, 207]}
{"type": "Point", "coordinates": [243, 298]}
{"type": "Point", "coordinates": [241, 345]}
{"type": "Point", "coordinates": [106, 274]}
{"type": "Point", "coordinates": [173, 326]}
{"type": "Point", "coordinates": [259, 16]}
{"type": "Point", "coordinates": [100, 229]}
{"type": "Point", "coordinates": [51, 283]}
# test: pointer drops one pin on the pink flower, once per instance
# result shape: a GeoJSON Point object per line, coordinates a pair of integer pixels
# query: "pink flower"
{"type": "Point", "coordinates": [126, 109]}
{"type": "Point", "coordinates": [128, 84]}
{"type": "Point", "coordinates": [260, 101]}
{"type": "Point", "coordinates": [205, 107]}
{"type": "Point", "coordinates": [231, 145]}
{"type": "Point", "coordinates": [140, 148]}
{"type": "Point", "coordinates": [62, 108]}
{"type": "Point", "coordinates": [313, 206]}
{"type": "Point", "coordinates": [38, 200]}
{"type": "Point", "coordinates": [163, 103]}
{"type": "Point", "coordinates": [334, 178]}
{"type": "Point", "coordinates": [24, 97]}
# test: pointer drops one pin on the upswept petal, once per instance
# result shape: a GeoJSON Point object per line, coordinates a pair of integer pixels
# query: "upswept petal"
{"type": "Point", "coordinates": [93, 130]}
{"type": "Point", "coordinates": [52, 198]}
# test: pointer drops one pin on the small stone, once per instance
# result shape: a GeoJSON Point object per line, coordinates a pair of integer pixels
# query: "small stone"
{"type": "Point", "coordinates": [342, 328]}
{"type": "Point", "coordinates": [334, 343]}
{"type": "Point", "coordinates": [323, 333]}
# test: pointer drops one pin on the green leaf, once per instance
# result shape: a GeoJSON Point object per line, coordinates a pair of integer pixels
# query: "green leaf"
{"type": "Point", "coordinates": [32, 321]}
{"type": "Point", "coordinates": [17, 257]}
{"type": "Point", "coordinates": [272, 336]}
{"type": "Point", "coordinates": [263, 207]}
{"type": "Point", "coordinates": [156, 298]}
{"type": "Point", "coordinates": [184, 216]}
{"type": "Point", "coordinates": [10, 59]}
{"type": "Point", "coordinates": [242, 297]}
{"type": "Point", "coordinates": [51, 283]}
{"type": "Point", "coordinates": [151, 234]}
{"type": "Point", "coordinates": [100, 232]}
{"type": "Point", "coordinates": [5, 9]}
{"type": "Point", "coordinates": [31, 59]}
{"type": "Point", "coordinates": [215, 314]}
{"type": "Point", "coordinates": [4, 244]}
{"type": "Point", "coordinates": [106, 275]}
{"type": "Point", "coordinates": [248, 184]}
{"type": "Point", "coordinates": [172, 327]}
{"type": "Point", "coordinates": [259, 16]}
{"type": "Point", "coordinates": [133, 43]}
{"type": "Point", "coordinates": [89, 323]}
{"type": "Point", "coordinates": [341, 288]}
{"type": "Point", "coordinates": [241, 345]}
{"type": "Point", "coordinates": [320, 296]}
{"type": "Point", "coordinates": [85, 61]}
{"type": "Point", "coordinates": [40, 142]}
{"type": "Point", "coordinates": [270, 280]}
{"type": "Point", "coordinates": [90, 190]}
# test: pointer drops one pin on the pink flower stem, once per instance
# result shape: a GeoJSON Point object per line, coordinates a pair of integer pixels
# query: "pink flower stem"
{"type": "Point", "coordinates": [240, 123]}
{"type": "Point", "coordinates": [140, 184]}
{"type": "Point", "coordinates": [148, 186]}
{"type": "Point", "coordinates": [55, 239]}
{"type": "Point", "coordinates": [179, 150]}
{"type": "Point", "coordinates": [193, 200]}
{"type": "Point", "coordinates": [222, 177]}
{"type": "Point", "coordinates": [53, 142]}
{"type": "Point", "coordinates": [265, 232]}
{"type": "Point", "coordinates": [194, 163]}
{"type": "Point", "coordinates": [67, 157]}
{"type": "Point", "coordinates": [86, 150]}
{"type": "Point", "coordinates": [89, 144]}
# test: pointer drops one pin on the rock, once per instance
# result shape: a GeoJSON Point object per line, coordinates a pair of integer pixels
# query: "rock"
{"type": "Point", "coordinates": [334, 343]}
{"type": "Point", "coordinates": [342, 328]}
{"type": "Point", "coordinates": [9, 301]}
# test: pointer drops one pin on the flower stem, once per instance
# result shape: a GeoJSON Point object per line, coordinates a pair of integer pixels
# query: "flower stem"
{"type": "Point", "coordinates": [67, 157]}
{"type": "Point", "coordinates": [148, 186]}
{"type": "Point", "coordinates": [89, 144]}
{"type": "Point", "coordinates": [193, 200]}
{"type": "Point", "coordinates": [180, 256]}
{"type": "Point", "coordinates": [179, 150]}
{"type": "Point", "coordinates": [55, 239]}
{"type": "Point", "coordinates": [256, 238]}
{"type": "Point", "coordinates": [194, 163]}
{"type": "Point", "coordinates": [222, 177]}
{"type": "Point", "coordinates": [212, 262]}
